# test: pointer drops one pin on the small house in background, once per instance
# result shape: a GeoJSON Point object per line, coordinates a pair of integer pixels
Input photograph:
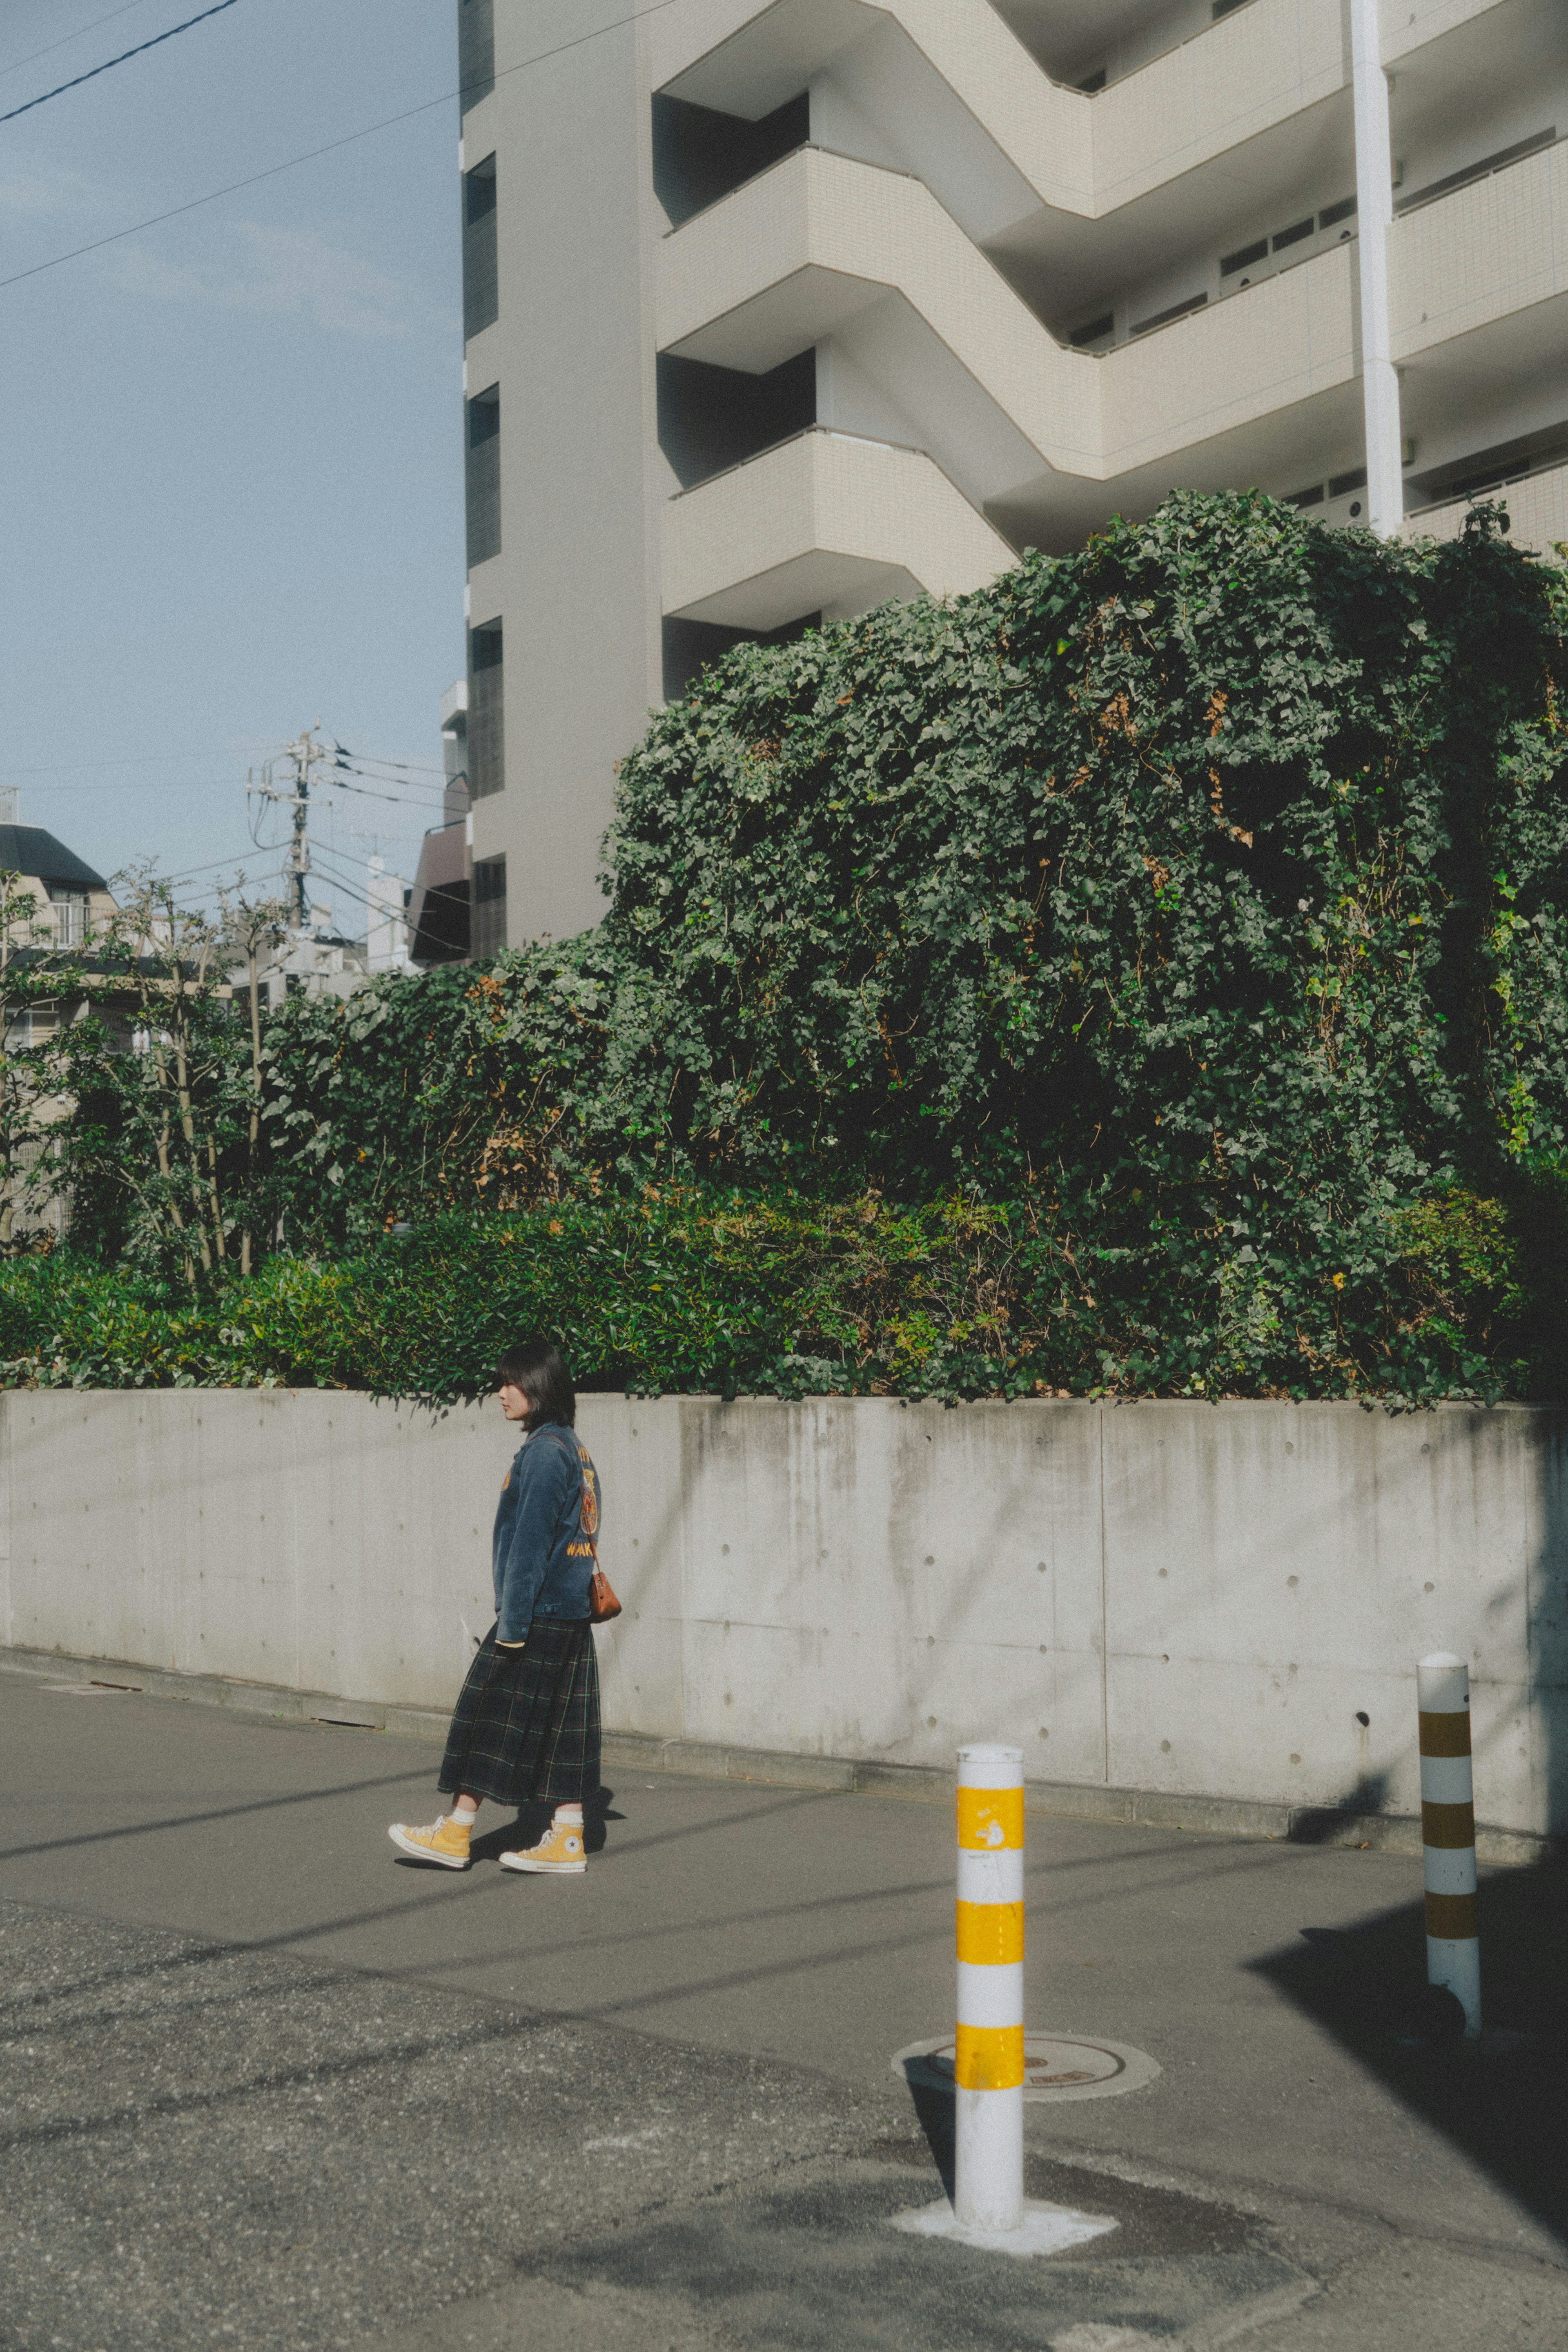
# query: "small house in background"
{"type": "Point", "coordinates": [72, 903]}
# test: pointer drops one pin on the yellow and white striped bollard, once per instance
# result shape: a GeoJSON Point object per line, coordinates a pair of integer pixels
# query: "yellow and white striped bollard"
{"type": "Point", "coordinates": [989, 2071]}
{"type": "Point", "coordinates": [1448, 1832]}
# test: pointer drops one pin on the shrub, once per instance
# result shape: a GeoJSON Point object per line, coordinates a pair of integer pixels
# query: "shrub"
{"type": "Point", "coordinates": [1181, 920]}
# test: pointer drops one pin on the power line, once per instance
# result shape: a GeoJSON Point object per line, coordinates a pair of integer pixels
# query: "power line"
{"type": "Point", "coordinates": [135, 760]}
{"type": "Point", "coordinates": [93, 71]}
{"type": "Point", "coordinates": [191, 785]}
{"type": "Point", "coordinates": [372, 760]}
{"type": "Point", "coordinates": [415, 808]}
{"type": "Point", "coordinates": [65, 39]}
{"type": "Point", "coordinates": [388, 122]}
{"type": "Point", "coordinates": [184, 873]}
{"type": "Point", "coordinates": [170, 759]}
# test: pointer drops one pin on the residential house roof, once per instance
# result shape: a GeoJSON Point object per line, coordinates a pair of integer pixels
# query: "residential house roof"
{"type": "Point", "coordinates": [28, 850]}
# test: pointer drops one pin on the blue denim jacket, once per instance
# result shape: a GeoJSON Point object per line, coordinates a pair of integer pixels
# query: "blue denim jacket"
{"type": "Point", "coordinates": [540, 1553]}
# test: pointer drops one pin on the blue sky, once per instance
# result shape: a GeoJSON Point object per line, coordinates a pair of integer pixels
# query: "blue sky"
{"type": "Point", "coordinates": [232, 498]}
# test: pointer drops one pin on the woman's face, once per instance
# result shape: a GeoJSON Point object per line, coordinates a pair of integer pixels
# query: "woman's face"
{"type": "Point", "coordinates": [514, 1404]}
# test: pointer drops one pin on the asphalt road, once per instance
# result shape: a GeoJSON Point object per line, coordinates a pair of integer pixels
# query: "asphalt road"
{"type": "Point", "coordinates": [265, 2084]}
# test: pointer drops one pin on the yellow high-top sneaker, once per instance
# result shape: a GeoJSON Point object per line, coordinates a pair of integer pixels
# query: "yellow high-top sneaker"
{"type": "Point", "coordinates": [446, 1841]}
{"type": "Point", "coordinates": [560, 1849]}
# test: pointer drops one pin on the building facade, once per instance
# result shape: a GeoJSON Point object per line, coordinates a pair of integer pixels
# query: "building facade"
{"type": "Point", "coordinates": [772, 312]}
{"type": "Point", "coordinates": [440, 903]}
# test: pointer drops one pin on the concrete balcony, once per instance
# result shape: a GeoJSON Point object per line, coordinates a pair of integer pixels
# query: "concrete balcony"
{"type": "Point", "coordinates": [1537, 509]}
{"type": "Point", "coordinates": [824, 250]}
{"type": "Point", "coordinates": [962, 100]}
{"type": "Point", "coordinates": [824, 246]}
{"type": "Point", "coordinates": [807, 248]}
{"type": "Point", "coordinates": [825, 522]}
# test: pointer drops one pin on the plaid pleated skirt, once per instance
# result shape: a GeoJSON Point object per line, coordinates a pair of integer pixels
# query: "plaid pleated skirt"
{"type": "Point", "coordinates": [526, 1725]}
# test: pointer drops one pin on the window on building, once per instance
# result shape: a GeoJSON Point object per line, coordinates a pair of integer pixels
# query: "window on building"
{"type": "Point", "coordinates": [68, 917]}
{"type": "Point", "coordinates": [481, 475]}
{"type": "Point", "coordinates": [480, 282]}
{"type": "Point", "coordinates": [487, 933]}
{"type": "Point", "coordinates": [1246, 257]}
{"type": "Point", "coordinates": [476, 50]}
{"type": "Point", "coordinates": [486, 720]}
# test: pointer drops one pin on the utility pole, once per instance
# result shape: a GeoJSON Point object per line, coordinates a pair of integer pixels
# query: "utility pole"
{"type": "Point", "coordinates": [307, 756]}
{"type": "Point", "coordinates": [1374, 217]}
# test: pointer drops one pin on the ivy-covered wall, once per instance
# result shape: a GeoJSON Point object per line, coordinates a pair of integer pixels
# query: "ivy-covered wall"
{"type": "Point", "coordinates": [1146, 975]}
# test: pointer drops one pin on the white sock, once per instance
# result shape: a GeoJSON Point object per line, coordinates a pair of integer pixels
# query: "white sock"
{"type": "Point", "coordinates": [464, 1809]}
{"type": "Point", "coordinates": [568, 1817]}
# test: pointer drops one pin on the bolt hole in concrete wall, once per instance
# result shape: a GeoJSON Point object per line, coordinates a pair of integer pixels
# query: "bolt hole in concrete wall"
{"type": "Point", "coordinates": [1163, 1650]}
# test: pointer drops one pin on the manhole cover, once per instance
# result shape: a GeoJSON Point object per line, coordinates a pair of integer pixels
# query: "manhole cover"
{"type": "Point", "coordinates": [1055, 2066]}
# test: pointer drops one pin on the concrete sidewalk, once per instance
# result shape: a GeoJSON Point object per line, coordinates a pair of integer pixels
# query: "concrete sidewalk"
{"type": "Point", "coordinates": [268, 2084]}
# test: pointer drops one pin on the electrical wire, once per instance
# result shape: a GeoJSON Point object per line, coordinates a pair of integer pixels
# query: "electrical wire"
{"type": "Point", "coordinates": [415, 808]}
{"type": "Point", "coordinates": [349, 139]}
{"type": "Point", "coordinates": [376, 775]}
{"type": "Point", "coordinates": [340, 882]}
{"type": "Point", "coordinates": [65, 39]}
{"type": "Point", "coordinates": [137, 760]}
{"type": "Point", "coordinates": [93, 71]}
{"type": "Point", "coordinates": [370, 758]}
{"type": "Point", "coordinates": [184, 873]}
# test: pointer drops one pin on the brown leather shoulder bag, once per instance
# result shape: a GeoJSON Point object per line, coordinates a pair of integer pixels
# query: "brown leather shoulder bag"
{"type": "Point", "coordinates": [601, 1602]}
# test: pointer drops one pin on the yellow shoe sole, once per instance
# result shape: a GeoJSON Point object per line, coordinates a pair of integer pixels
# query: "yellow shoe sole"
{"type": "Point", "coordinates": [527, 1862]}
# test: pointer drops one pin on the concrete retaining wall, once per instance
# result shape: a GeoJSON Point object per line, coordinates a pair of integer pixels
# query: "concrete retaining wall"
{"type": "Point", "coordinates": [1181, 1599]}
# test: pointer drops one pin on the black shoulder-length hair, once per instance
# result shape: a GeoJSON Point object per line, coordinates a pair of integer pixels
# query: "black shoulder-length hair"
{"type": "Point", "coordinates": [539, 1370]}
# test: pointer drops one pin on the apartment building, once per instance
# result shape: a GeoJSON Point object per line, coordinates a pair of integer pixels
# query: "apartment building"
{"type": "Point", "coordinates": [772, 312]}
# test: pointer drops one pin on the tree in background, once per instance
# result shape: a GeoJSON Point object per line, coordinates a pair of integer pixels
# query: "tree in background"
{"type": "Point", "coordinates": [36, 982]}
{"type": "Point", "coordinates": [160, 1096]}
{"type": "Point", "coordinates": [248, 930]}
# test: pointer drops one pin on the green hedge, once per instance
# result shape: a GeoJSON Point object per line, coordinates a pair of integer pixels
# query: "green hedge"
{"type": "Point", "coordinates": [698, 1289]}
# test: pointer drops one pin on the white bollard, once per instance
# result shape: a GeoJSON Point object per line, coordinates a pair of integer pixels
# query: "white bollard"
{"type": "Point", "coordinates": [988, 2191]}
{"type": "Point", "coordinates": [1448, 1832]}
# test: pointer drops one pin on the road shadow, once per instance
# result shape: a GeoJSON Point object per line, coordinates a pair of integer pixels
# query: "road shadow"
{"type": "Point", "coordinates": [936, 2113]}
{"type": "Point", "coordinates": [1505, 2102]}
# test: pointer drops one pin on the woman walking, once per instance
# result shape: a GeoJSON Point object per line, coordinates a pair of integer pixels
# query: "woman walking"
{"type": "Point", "coordinates": [525, 1726]}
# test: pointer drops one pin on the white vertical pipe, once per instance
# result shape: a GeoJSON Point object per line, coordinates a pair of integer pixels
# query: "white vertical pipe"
{"type": "Point", "coordinates": [1374, 215]}
{"type": "Point", "coordinates": [987, 2188]}
{"type": "Point", "coordinates": [1448, 1832]}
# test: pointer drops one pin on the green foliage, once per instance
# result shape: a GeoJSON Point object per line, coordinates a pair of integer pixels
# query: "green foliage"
{"type": "Point", "coordinates": [702, 1288]}
{"type": "Point", "coordinates": [1187, 915]}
